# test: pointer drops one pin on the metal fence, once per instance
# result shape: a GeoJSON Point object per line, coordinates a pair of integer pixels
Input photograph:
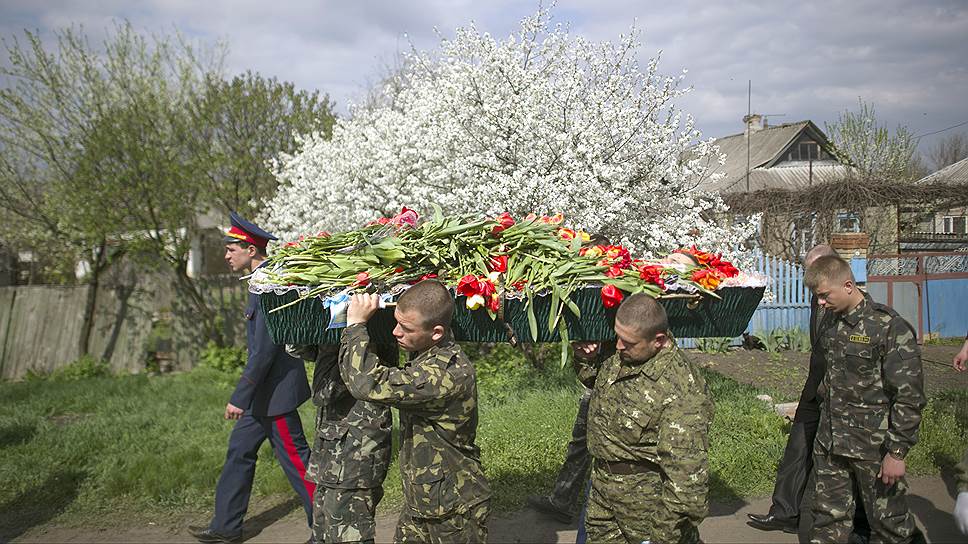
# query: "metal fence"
{"type": "Point", "coordinates": [930, 290]}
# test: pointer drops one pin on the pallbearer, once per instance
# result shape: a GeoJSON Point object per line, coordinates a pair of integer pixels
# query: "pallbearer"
{"type": "Point", "coordinates": [648, 432]}
{"type": "Point", "coordinates": [446, 495]}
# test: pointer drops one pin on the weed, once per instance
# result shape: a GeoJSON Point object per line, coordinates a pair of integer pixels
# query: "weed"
{"type": "Point", "coordinates": [714, 344]}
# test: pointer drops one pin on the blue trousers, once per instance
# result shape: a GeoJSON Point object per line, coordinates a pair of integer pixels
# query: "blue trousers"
{"type": "Point", "coordinates": [285, 434]}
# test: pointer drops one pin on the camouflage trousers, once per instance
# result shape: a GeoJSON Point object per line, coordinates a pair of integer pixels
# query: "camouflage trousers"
{"type": "Point", "coordinates": [833, 503]}
{"type": "Point", "coordinates": [345, 515]}
{"type": "Point", "coordinates": [466, 528]}
{"type": "Point", "coordinates": [627, 509]}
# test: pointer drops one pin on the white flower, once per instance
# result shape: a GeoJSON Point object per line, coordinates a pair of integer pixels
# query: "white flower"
{"type": "Point", "coordinates": [540, 122]}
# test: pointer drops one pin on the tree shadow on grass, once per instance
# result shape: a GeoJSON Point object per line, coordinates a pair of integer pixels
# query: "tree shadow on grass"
{"type": "Point", "coordinates": [39, 504]}
{"type": "Point", "coordinates": [723, 499]}
{"type": "Point", "coordinates": [15, 434]}
{"type": "Point", "coordinates": [258, 523]}
{"type": "Point", "coordinates": [511, 519]}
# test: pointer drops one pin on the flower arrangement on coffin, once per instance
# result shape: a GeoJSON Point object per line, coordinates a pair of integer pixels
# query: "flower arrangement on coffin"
{"type": "Point", "coordinates": [485, 260]}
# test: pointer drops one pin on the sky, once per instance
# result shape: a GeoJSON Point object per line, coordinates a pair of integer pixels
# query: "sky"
{"type": "Point", "coordinates": [805, 60]}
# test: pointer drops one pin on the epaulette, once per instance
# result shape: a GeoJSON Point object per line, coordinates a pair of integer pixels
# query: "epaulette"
{"type": "Point", "coordinates": [878, 307]}
{"type": "Point", "coordinates": [446, 354]}
{"type": "Point", "coordinates": [884, 308]}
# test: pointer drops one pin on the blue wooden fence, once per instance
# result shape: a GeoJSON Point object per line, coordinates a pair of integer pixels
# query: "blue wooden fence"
{"type": "Point", "coordinates": [786, 304]}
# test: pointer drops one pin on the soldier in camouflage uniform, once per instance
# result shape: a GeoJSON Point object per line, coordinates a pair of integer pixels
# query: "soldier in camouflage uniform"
{"type": "Point", "coordinates": [446, 495]}
{"type": "Point", "coordinates": [648, 429]}
{"type": "Point", "coordinates": [871, 399]}
{"type": "Point", "coordinates": [351, 453]}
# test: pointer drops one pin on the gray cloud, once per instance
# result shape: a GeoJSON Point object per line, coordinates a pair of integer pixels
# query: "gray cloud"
{"type": "Point", "coordinates": [805, 59]}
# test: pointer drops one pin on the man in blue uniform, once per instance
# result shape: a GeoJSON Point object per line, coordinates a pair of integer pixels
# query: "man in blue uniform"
{"type": "Point", "coordinates": [264, 404]}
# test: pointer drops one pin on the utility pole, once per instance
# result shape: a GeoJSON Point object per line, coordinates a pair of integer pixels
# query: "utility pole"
{"type": "Point", "coordinates": [749, 113]}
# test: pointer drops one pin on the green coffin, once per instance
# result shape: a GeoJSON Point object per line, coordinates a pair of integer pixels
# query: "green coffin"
{"type": "Point", "coordinates": [689, 317]}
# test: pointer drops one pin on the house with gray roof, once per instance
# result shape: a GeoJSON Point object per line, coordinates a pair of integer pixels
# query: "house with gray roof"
{"type": "Point", "coordinates": [787, 156]}
{"type": "Point", "coordinates": [939, 230]}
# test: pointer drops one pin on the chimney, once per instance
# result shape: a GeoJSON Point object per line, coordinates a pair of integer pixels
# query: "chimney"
{"type": "Point", "coordinates": [754, 123]}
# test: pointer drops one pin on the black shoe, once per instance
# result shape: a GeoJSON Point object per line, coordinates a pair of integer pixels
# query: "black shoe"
{"type": "Point", "coordinates": [544, 504]}
{"type": "Point", "coordinates": [204, 534]}
{"type": "Point", "coordinates": [769, 522]}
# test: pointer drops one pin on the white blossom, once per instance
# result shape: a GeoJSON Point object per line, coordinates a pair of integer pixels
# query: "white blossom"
{"type": "Point", "coordinates": [542, 122]}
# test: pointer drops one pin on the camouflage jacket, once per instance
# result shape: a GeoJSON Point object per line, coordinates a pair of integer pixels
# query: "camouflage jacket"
{"type": "Point", "coordinates": [353, 444]}
{"type": "Point", "coordinates": [436, 393]}
{"type": "Point", "coordinates": [961, 474]}
{"type": "Point", "coordinates": [872, 392]}
{"type": "Point", "coordinates": [658, 411]}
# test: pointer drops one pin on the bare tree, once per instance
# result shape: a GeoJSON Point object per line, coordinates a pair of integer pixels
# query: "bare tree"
{"type": "Point", "coordinates": [949, 150]}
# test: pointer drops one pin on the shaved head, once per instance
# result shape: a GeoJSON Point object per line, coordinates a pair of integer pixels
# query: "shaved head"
{"type": "Point", "coordinates": [827, 269]}
{"type": "Point", "coordinates": [643, 314]}
{"type": "Point", "coordinates": [820, 250]}
{"type": "Point", "coordinates": [430, 300]}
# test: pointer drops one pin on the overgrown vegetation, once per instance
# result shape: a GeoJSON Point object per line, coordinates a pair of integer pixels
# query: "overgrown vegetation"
{"type": "Point", "coordinates": [713, 345]}
{"type": "Point", "coordinates": [86, 366]}
{"type": "Point", "coordinates": [780, 339]}
{"type": "Point", "coordinates": [227, 359]}
{"type": "Point", "coordinates": [114, 449]}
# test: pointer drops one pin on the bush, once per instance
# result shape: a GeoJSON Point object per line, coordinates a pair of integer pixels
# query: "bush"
{"type": "Point", "coordinates": [87, 366]}
{"type": "Point", "coordinates": [227, 359]}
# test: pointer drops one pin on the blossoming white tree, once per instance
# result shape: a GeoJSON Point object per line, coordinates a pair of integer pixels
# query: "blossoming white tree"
{"type": "Point", "coordinates": [542, 121]}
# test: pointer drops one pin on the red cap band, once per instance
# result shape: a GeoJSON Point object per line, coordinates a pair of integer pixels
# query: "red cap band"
{"type": "Point", "coordinates": [236, 232]}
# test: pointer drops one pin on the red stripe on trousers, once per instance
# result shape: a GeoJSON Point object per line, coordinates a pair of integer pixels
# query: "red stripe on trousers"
{"type": "Point", "coordinates": [290, 447]}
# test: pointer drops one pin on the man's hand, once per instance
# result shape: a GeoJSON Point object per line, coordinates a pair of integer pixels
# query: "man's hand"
{"type": "Point", "coordinates": [961, 358]}
{"type": "Point", "coordinates": [232, 411]}
{"type": "Point", "coordinates": [586, 350]}
{"type": "Point", "coordinates": [961, 512]}
{"type": "Point", "coordinates": [892, 470]}
{"type": "Point", "coordinates": [362, 308]}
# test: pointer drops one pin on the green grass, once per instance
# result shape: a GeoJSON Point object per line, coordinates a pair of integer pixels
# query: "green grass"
{"type": "Point", "coordinates": [109, 450]}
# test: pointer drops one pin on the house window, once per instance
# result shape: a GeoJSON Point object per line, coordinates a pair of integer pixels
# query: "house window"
{"type": "Point", "coordinates": [955, 224]}
{"type": "Point", "coordinates": [806, 151]}
{"type": "Point", "coordinates": [848, 222]}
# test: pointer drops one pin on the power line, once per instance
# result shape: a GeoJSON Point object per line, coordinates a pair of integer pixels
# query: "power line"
{"type": "Point", "coordinates": [963, 123]}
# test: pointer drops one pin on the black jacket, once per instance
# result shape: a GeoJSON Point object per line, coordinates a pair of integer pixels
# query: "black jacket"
{"type": "Point", "coordinates": [818, 366]}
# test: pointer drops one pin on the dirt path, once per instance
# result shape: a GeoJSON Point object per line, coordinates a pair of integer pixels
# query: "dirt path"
{"type": "Point", "coordinates": [930, 500]}
{"type": "Point", "coordinates": [786, 372]}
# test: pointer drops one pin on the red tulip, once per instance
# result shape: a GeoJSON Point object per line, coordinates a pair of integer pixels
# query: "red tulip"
{"type": "Point", "coordinates": [498, 264]}
{"type": "Point", "coordinates": [611, 296]}
{"type": "Point", "coordinates": [614, 272]}
{"type": "Point", "coordinates": [468, 285]}
{"type": "Point", "coordinates": [494, 302]}
{"type": "Point", "coordinates": [362, 279]}
{"type": "Point", "coordinates": [504, 221]}
{"type": "Point", "coordinates": [652, 274]}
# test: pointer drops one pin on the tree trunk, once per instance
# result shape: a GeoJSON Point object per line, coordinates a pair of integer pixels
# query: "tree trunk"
{"type": "Point", "coordinates": [90, 305]}
{"type": "Point", "coordinates": [207, 316]}
{"type": "Point", "coordinates": [123, 293]}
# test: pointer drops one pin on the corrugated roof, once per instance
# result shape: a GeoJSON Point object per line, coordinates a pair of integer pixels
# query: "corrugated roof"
{"type": "Point", "coordinates": [956, 173]}
{"type": "Point", "coordinates": [765, 147]}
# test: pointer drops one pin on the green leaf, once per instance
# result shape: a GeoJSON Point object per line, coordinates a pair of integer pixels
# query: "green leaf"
{"type": "Point", "coordinates": [563, 332]}
{"type": "Point", "coordinates": [532, 320]}
{"type": "Point", "coordinates": [552, 311]}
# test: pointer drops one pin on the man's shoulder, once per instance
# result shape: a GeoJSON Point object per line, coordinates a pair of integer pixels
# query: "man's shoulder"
{"type": "Point", "coordinates": [448, 358]}
{"type": "Point", "coordinates": [886, 319]}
